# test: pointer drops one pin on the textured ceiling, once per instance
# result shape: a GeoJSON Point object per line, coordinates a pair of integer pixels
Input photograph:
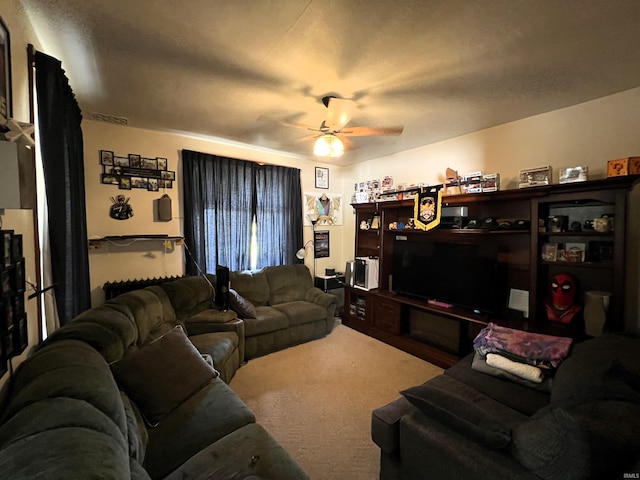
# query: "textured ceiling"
{"type": "Point", "coordinates": [241, 70]}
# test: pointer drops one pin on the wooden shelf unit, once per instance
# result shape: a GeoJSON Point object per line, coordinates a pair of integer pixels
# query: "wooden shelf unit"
{"type": "Point", "coordinates": [386, 314]}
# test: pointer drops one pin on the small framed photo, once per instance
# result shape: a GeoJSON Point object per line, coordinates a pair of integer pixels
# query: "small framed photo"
{"type": "Point", "coordinates": [135, 161]}
{"type": "Point", "coordinates": [152, 185]}
{"type": "Point", "coordinates": [106, 157]}
{"type": "Point", "coordinates": [162, 163]}
{"type": "Point", "coordinates": [549, 252]}
{"type": "Point", "coordinates": [165, 183]}
{"type": "Point", "coordinates": [168, 175]}
{"type": "Point", "coordinates": [16, 279]}
{"type": "Point", "coordinates": [110, 179]}
{"type": "Point", "coordinates": [149, 164]}
{"type": "Point", "coordinates": [575, 252]}
{"type": "Point", "coordinates": [125, 183]}
{"type": "Point", "coordinates": [322, 177]}
{"type": "Point", "coordinates": [139, 182]}
{"type": "Point", "coordinates": [121, 161]}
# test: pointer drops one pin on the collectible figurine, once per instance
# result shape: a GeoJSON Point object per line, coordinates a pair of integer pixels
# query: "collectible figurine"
{"type": "Point", "coordinates": [561, 307]}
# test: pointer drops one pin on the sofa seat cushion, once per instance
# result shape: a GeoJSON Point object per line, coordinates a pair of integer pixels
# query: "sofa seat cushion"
{"type": "Point", "coordinates": [204, 418]}
{"type": "Point", "coordinates": [518, 397]}
{"type": "Point", "coordinates": [219, 345]}
{"type": "Point", "coordinates": [300, 312]}
{"type": "Point", "coordinates": [466, 410]}
{"type": "Point", "coordinates": [247, 453]}
{"type": "Point", "coordinates": [267, 320]}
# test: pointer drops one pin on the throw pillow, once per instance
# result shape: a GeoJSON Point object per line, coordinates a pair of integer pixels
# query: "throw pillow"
{"type": "Point", "coordinates": [163, 374]}
{"type": "Point", "coordinates": [552, 445]}
{"type": "Point", "coordinates": [241, 305]}
{"type": "Point", "coordinates": [459, 414]}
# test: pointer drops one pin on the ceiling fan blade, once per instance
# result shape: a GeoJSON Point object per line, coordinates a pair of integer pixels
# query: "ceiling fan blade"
{"type": "Point", "coordinates": [370, 131]}
{"type": "Point", "coordinates": [339, 112]}
{"type": "Point", "coordinates": [348, 144]}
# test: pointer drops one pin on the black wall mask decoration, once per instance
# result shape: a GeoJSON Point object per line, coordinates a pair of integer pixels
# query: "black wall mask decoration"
{"type": "Point", "coordinates": [120, 209]}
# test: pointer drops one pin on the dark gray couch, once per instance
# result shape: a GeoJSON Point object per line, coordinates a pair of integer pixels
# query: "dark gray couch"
{"type": "Point", "coordinates": [466, 424]}
{"type": "Point", "coordinates": [106, 396]}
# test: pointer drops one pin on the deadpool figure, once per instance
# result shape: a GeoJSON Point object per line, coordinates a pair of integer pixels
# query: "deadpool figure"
{"type": "Point", "coordinates": [562, 307]}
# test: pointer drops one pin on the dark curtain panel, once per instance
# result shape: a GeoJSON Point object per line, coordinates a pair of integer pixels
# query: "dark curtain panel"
{"type": "Point", "coordinates": [218, 211]}
{"type": "Point", "coordinates": [278, 215]}
{"type": "Point", "coordinates": [63, 163]}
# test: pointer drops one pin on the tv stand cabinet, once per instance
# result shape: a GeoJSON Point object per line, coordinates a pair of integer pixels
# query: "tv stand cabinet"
{"type": "Point", "coordinates": [388, 316]}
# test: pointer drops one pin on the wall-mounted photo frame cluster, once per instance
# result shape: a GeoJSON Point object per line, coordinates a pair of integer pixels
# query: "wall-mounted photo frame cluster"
{"type": "Point", "coordinates": [13, 318]}
{"type": "Point", "coordinates": [135, 171]}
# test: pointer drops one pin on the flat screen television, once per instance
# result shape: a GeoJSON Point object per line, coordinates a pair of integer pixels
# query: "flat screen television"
{"type": "Point", "coordinates": [466, 275]}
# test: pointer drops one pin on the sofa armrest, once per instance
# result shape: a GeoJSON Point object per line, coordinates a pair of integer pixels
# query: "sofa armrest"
{"type": "Point", "coordinates": [385, 421]}
{"type": "Point", "coordinates": [211, 320]}
{"type": "Point", "coordinates": [317, 296]}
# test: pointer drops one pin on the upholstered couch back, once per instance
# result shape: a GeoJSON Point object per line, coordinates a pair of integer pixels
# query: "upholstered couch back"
{"type": "Point", "coordinates": [273, 285]}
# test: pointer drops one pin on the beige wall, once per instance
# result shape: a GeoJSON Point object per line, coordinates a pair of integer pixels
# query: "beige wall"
{"type": "Point", "coordinates": [111, 262]}
{"type": "Point", "coordinates": [587, 134]}
{"type": "Point", "coordinates": [21, 221]}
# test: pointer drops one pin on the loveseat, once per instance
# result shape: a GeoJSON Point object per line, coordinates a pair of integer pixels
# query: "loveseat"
{"type": "Point", "coordinates": [123, 392]}
{"type": "Point", "coordinates": [468, 424]}
{"type": "Point", "coordinates": [280, 308]}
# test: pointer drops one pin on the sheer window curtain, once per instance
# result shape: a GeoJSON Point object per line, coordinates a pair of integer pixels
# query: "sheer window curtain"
{"type": "Point", "coordinates": [61, 148]}
{"type": "Point", "coordinates": [218, 211]}
{"type": "Point", "coordinates": [223, 196]}
{"type": "Point", "coordinates": [278, 215]}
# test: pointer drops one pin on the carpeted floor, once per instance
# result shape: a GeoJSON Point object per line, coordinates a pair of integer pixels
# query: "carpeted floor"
{"type": "Point", "coordinates": [316, 399]}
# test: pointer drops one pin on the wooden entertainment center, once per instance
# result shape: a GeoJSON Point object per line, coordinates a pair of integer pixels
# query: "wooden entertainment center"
{"type": "Point", "coordinates": [391, 317]}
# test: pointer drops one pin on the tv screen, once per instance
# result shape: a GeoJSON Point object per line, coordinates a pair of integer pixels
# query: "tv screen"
{"type": "Point", "coordinates": [462, 274]}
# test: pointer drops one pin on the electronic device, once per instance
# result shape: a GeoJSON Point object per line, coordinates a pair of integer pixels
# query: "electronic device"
{"type": "Point", "coordinates": [453, 217]}
{"type": "Point", "coordinates": [464, 275]}
{"type": "Point", "coordinates": [349, 271]}
{"type": "Point", "coordinates": [366, 273]}
{"type": "Point", "coordinates": [222, 287]}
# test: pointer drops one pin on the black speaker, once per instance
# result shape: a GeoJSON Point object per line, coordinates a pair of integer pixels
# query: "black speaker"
{"type": "Point", "coordinates": [222, 287]}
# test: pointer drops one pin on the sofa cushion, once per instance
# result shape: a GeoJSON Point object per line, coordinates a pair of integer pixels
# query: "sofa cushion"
{"type": "Point", "coordinates": [251, 285]}
{"type": "Point", "coordinates": [268, 320]}
{"type": "Point", "coordinates": [467, 411]}
{"type": "Point", "coordinates": [190, 295]}
{"type": "Point", "coordinates": [241, 305]}
{"type": "Point", "coordinates": [163, 374]}
{"type": "Point", "coordinates": [604, 368]}
{"type": "Point", "coordinates": [552, 445]}
{"type": "Point", "coordinates": [249, 452]}
{"type": "Point", "coordinates": [288, 283]}
{"type": "Point", "coordinates": [300, 312]}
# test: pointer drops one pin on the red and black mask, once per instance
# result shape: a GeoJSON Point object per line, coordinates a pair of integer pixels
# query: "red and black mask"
{"type": "Point", "coordinates": [563, 291]}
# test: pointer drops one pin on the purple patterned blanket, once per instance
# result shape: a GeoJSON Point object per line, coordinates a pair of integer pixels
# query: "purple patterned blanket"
{"type": "Point", "coordinates": [531, 348]}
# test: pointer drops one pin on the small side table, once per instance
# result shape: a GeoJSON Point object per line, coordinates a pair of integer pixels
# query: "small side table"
{"type": "Point", "coordinates": [333, 284]}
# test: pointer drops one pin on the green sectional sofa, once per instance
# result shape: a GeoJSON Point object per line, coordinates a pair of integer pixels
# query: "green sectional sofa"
{"type": "Point", "coordinates": [123, 392]}
{"type": "Point", "coordinates": [280, 308]}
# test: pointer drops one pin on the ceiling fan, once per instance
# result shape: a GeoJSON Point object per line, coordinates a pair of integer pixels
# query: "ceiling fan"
{"type": "Point", "coordinates": [331, 136]}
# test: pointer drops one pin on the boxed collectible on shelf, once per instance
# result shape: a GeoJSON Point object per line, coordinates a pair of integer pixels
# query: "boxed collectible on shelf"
{"type": "Point", "coordinates": [623, 166]}
{"type": "Point", "coordinates": [533, 177]}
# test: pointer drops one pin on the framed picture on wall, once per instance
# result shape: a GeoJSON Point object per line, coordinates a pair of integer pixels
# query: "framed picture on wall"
{"type": "Point", "coordinates": [106, 157]}
{"type": "Point", "coordinates": [321, 243]}
{"type": "Point", "coordinates": [322, 177]}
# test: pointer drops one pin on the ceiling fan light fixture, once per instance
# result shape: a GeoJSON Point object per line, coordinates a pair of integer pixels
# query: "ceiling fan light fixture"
{"type": "Point", "coordinates": [328, 145]}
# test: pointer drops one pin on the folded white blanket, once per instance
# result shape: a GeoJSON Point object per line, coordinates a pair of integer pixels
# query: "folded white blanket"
{"type": "Point", "coordinates": [528, 372]}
